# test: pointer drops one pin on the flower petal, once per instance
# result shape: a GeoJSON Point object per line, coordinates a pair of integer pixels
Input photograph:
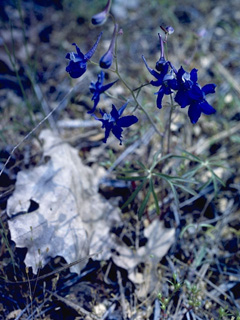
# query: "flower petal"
{"type": "Point", "coordinates": [153, 72]}
{"type": "Point", "coordinates": [160, 94]}
{"type": "Point", "coordinates": [206, 107]}
{"type": "Point", "coordinates": [108, 127]}
{"type": "Point", "coordinates": [193, 75]}
{"type": "Point", "coordinates": [76, 69]}
{"type": "Point", "coordinates": [107, 86]}
{"type": "Point", "coordinates": [120, 111]}
{"type": "Point", "coordinates": [182, 98]}
{"type": "Point", "coordinates": [127, 121]}
{"type": "Point", "coordinates": [114, 113]}
{"type": "Point", "coordinates": [96, 100]}
{"type": "Point", "coordinates": [209, 88]}
{"type": "Point", "coordinates": [79, 52]}
{"type": "Point", "coordinates": [90, 53]}
{"type": "Point", "coordinates": [194, 112]}
{"type": "Point", "coordinates": [173, 84]}
{"type": "Point", "coordinates": [117, 131]}
{"type": "Point", "coordinates": [196, 93]}
{"type": "Point", "coordinates": [180, 74]}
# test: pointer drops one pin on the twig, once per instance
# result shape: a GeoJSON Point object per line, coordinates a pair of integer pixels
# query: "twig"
{"type": "Point", "coordinates": [46, 108]}
{"type": "Point", "coordinates": [123, 303]}
{"type": "Point", "coordinates": [157, 310]}
{"type": "Point", "coordinates": [76, 123]}
{"type": "Point", "coordinates": [69, 94]}
{"type": "Point", "coordinates": [208, 282]}
{"type": "Point", "coordinates": [65, 266]}
{"type": "Point", "coordinates": [74, 306]}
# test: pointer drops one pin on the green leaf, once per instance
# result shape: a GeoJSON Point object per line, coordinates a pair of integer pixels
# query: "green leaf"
{"type": "Point", "coordinates": [173, 178]}
{"type": "Point", "coordinates": [184, 180]}
{"type": "Point", "coordinates": [185, 228]}
{"type": "Point", "coordinates": [217, 177]}
{"type": "Point", "coordinates": [133, 178]}
{"type": "Point", "coordinates": [133, 195]}
{"type": "Point", "coordinates": [156, 161]}
{"type": "Point", "coordinates": [123, 171]}
{"type": "Point", "coordinates": [162, 175]}
{"type": "Point", "coordinates": [186, 189]}
{"type": "Point", "coordinates": [192, 156]}
{"type": "Point", "coordinates": [175, 195]}
{"type": "Point", "coordinates": [192, 172]}
{"type": "Point", "coordinates": [207, 183]}
{"type": "Point", "coordinates": [154, 196]}
{"type": "Point", "coordinates": [142, 165]}
{"type": "Point", "coordinates": [143, 204]}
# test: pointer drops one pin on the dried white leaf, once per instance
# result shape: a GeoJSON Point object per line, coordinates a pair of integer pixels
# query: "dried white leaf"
{"type": "Point", "coordinates": [71, 218]}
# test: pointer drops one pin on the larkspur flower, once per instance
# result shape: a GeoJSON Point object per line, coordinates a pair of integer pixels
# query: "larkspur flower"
{"type": "Point", "coordinates": [191, 94]}
{"type": "Point", "coordinates": [107, 59]}
{"type": "Point", "coordinates": [97, 88]}
{"type": "Point", "coordinates": [113, 122]}
{"type": "Point", "coordinates": [101, 17]}
{"type": "Point", "coordinates": [78, 61]}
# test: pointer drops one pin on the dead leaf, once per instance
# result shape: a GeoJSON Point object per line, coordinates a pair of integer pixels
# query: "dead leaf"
{"type": "Point", "coordinates": [160, 240]}
{"type": "Point", "coordinates": [68, 207]}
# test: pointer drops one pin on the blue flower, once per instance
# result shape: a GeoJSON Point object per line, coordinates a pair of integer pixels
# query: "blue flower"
{"type": "Point", "coordinates": [113, 122]}
{"type": "Point", "coordinates": [78, 61]}
{"type": "Point", "coordinates": [191, 94]}
{"type": "Point", "coordinates": [107, 59]}
{"type": "Point", "coordinates": [97, 88]}
{"type": "Point", "coordinates": [165, 80]}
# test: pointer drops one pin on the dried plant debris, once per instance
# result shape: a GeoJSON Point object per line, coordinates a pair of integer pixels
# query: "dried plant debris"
{"type": "Point", "coordinates": [56, 209]}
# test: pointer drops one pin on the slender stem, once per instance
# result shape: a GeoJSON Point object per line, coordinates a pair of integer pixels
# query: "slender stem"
{"type": "Point", "coordinates": [169, 125]}
{"type": "Point", "coordinates": [140, 87]}
{"type": "Point", "coordinates": [134, 97]}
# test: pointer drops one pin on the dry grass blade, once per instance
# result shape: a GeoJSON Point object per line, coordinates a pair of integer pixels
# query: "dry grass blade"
{"type": "Point", "coordinates": [64, 267]}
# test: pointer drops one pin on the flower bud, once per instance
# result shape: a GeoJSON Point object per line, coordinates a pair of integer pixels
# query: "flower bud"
{"type": "Point", "coordinates": [161, 62]}
{"type": "Point", "coordinates": [107, 59]}
{"type": "Point", "coordinates": [101, 17]}
{"type": "Point", "coordinates": [169, 29]}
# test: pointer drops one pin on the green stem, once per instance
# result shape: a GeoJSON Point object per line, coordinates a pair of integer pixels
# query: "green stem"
{"type": "Point", "coordinates": [134, 97]}
{"type": "Point", "coordinates": [169, 125]}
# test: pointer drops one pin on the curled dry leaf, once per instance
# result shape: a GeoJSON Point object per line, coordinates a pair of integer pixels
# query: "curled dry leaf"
{"type": "Point", "coordinates": [56, 209]}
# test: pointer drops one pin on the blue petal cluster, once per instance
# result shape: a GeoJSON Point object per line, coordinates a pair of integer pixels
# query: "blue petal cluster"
{"type": "Point", "coordinates": [191, 94]}
{"type": "Point", "coordinates": [188, 91]}
{"type": "Point", "coordinates": [114, 122]}
{"type": "Point", "coordinates": [78, 61]}
{"type": "Point", "coordinates": [97, 88]}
